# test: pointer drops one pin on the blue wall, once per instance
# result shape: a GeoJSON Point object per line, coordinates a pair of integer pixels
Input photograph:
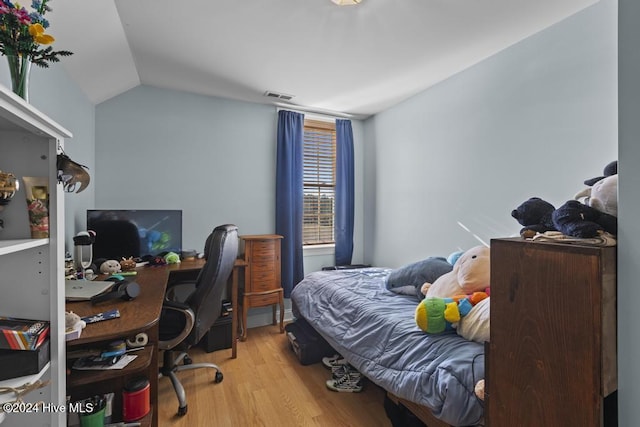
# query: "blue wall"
{"type": "Point", "coordinates": [213, 158]}
{"type": "Point", "coordinates": [56, 95]}
{"type": "Point", "coordinates": [536, 119]}
{"type": "Point", "coordinates": [444, 169]}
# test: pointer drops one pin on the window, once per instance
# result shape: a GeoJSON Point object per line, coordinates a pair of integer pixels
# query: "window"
{"type": "Point", "coordinates": [319, 182]}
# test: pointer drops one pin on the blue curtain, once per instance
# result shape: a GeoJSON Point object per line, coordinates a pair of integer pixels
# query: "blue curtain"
{"type": "Point", "coordinates": [344, 192]}
{"type": "Point", "coordinates": [289, 193]}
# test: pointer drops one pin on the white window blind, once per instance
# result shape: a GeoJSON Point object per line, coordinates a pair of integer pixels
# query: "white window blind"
{"type": "Point", "coordinates": [319, 182]}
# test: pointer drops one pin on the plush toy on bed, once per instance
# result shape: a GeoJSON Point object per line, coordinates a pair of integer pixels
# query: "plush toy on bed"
{"type": "Point", "coordinates": [435, 315]}
{"type": "Point", "coordinates": [409, 278]}
{"type": "Point", "coordinates": [470, 274]}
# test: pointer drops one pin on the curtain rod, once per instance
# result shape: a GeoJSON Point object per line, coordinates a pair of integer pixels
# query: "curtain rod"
{"type": "Point", "coordinates": [319, 112]}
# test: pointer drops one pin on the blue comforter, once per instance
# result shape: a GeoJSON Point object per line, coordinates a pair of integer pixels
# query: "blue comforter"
{"type": "Point", "coordinates": [374, 329]}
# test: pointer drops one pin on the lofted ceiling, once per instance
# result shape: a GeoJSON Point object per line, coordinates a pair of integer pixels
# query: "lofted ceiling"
{"type": "Point", "coordinates": [357, 60]}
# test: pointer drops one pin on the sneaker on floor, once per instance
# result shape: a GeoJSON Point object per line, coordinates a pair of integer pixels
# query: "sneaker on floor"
{"type": "Point", "coordinates": [340, 371]}
{"type": "Point", "coordinates": [335, 360]}
{"type": "Point", "coordinates": [350, 383]}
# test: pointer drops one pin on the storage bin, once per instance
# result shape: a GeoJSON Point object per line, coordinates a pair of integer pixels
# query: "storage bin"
{"type": "Point", "coordinates": [219, 336]}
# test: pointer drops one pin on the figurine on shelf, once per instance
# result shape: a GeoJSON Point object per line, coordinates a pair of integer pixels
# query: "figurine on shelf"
{"type": "Point", "coordinates": [9, 184]}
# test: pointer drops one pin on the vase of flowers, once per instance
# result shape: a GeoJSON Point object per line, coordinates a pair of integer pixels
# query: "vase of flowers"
{"type": "Point", "coordinates": [23, 41]}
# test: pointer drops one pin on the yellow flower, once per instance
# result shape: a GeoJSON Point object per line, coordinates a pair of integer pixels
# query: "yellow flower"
{"type": "Point", "coordinates": [37, 32]}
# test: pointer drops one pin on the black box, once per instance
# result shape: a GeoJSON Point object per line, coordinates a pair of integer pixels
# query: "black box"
{"type": "Point", "coordinates": [219, 336]}
{"type": "Point", "coordinates": [308, 345]}
{"type": "Point", "coordinates": [17, 363]}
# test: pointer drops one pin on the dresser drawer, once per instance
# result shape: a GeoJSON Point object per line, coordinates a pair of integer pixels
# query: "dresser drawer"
{"type": "Point", "coordinates": [263, 266]}
{"type": "Point", "coordinates": [263, 276]}
{"type": "Point", "coordinates": [262, 300]}
{"type": "Point", "coordinates": [263, 248]}
{"type": "Point", "coordinates": [263, 285]}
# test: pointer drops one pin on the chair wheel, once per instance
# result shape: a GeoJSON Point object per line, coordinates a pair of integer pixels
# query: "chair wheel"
{"type": "Point", "coordinates": [182, 411]}
{"type": "Point", "coordinates": [219, 377]}
{"type": "Point", "coordinates": [187, 360]}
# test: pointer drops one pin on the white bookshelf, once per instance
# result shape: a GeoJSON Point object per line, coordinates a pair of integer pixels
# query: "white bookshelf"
{"type": "Point", "coordinates": [32, 270]}
{"type": "Point", "coordinates": [17, 245]}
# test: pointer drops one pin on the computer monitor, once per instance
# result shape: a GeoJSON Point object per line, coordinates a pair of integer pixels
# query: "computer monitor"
{"type": "Point", "coordinates": [123, 233]}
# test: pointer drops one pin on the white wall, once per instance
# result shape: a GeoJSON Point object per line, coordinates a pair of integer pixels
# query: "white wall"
{"type": "Point", "coordinates": [536, 119]}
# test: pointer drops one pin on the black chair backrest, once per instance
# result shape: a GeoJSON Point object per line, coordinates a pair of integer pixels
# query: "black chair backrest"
{"type": "Point", "coordinates": [116, 239]}
{"type": "Point", "coordinates": [221, 251]}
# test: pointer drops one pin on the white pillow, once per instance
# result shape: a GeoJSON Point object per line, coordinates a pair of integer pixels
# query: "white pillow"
{"type": "Point", "coordinates": [475, 325]}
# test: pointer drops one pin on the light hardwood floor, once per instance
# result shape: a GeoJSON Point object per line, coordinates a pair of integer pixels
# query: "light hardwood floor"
{"type": "Point", "coordinates": [266, 386]}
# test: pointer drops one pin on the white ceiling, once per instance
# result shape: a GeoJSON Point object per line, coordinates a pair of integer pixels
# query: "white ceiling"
{"type": "Point", "coordinates": [352, 59]}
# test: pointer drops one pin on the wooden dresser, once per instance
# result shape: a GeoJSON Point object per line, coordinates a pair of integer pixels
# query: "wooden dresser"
{"type": "Point", "coordinates": [552, 356]}
{"type": "Point", "coordinates": [262, 282]}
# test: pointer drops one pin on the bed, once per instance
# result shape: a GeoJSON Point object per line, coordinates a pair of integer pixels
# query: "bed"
{"type": "Point", "coordinates": [374, 329]}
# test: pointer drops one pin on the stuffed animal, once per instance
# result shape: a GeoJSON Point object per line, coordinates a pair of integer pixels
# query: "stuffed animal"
{"type": "Point", "coordinates": [479, 389]}
{"type": "Point", "coordinates": [475, 326]}
{"type": "Point", "coordinates": [454, 257]}
{"type": "Point", "coordinates": [409, 278]}
{"type": "Point", "coordinates": [470, 274]}
{"type": "Point", "coordinates": [110, 266]}
{"type": "Point", "coordinates": [172, 258]}
{"type": "Point", "coordinates": [579, 220]}
{"type": "Point", "coordinates": [598, 212]}
{"type": "Point", "coordinates": [609, 170]}
{"type": "Point", "coordinates": [436, 315]}
{"type": "Point", "coordinates": [73, 325]}
{"type": "Point", "coordinates": [127, 264]}
{"type": "Point", "coordinates": [73, 321]}
{"type": "Point", "coordinates": [535, 215]}
{"type": "Point", "coordinates": [603, 195]}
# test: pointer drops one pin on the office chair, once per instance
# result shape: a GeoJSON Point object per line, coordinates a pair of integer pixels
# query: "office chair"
{"type": "Point", "coordinates": [115, 239]}
{"type": "Point", "coordinates": [184, 323]}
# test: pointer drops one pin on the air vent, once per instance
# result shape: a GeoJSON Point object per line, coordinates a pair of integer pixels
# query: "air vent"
{"type": "Point", "coordinates": [277, 95]}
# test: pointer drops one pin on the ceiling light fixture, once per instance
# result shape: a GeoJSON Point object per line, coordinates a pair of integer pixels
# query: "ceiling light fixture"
{"type": "Point", "coordinates": [346, 2]}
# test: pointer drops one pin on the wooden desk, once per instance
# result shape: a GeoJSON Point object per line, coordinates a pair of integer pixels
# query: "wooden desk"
{"type": "Point", "coordinates": [139, 315]}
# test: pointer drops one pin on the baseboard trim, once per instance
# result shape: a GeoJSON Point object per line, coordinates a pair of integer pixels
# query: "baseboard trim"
{"type": "Point", "coordinates": [264, 317]}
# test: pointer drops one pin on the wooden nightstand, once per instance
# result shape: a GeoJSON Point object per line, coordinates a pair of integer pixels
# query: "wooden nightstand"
{"type": "Point", "coordinates": [262, 282]}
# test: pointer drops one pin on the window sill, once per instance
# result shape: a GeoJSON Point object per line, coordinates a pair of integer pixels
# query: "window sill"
{"type": "Point", "coordinates": [317, 250]}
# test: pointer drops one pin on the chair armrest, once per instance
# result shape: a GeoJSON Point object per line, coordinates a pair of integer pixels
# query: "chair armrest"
{"type": "Point", "coordinates": [174, 292]}
{"type": "Point", "coordinates": [181, 279]}
{"type": "Point", "coordinates": [190, 319]}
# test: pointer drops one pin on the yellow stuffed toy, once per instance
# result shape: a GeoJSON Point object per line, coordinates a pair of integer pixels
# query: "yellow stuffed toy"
{"type": "Point", "coordinates": [435, 315]}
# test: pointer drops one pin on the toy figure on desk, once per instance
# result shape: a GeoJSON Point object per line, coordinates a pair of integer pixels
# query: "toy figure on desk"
{"type": "Point", "coordinates": [73, 325]}
{"type": "Point", "coordinates": [110, 267]}
{"type": "Point", "coordinates": [127, 264]}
